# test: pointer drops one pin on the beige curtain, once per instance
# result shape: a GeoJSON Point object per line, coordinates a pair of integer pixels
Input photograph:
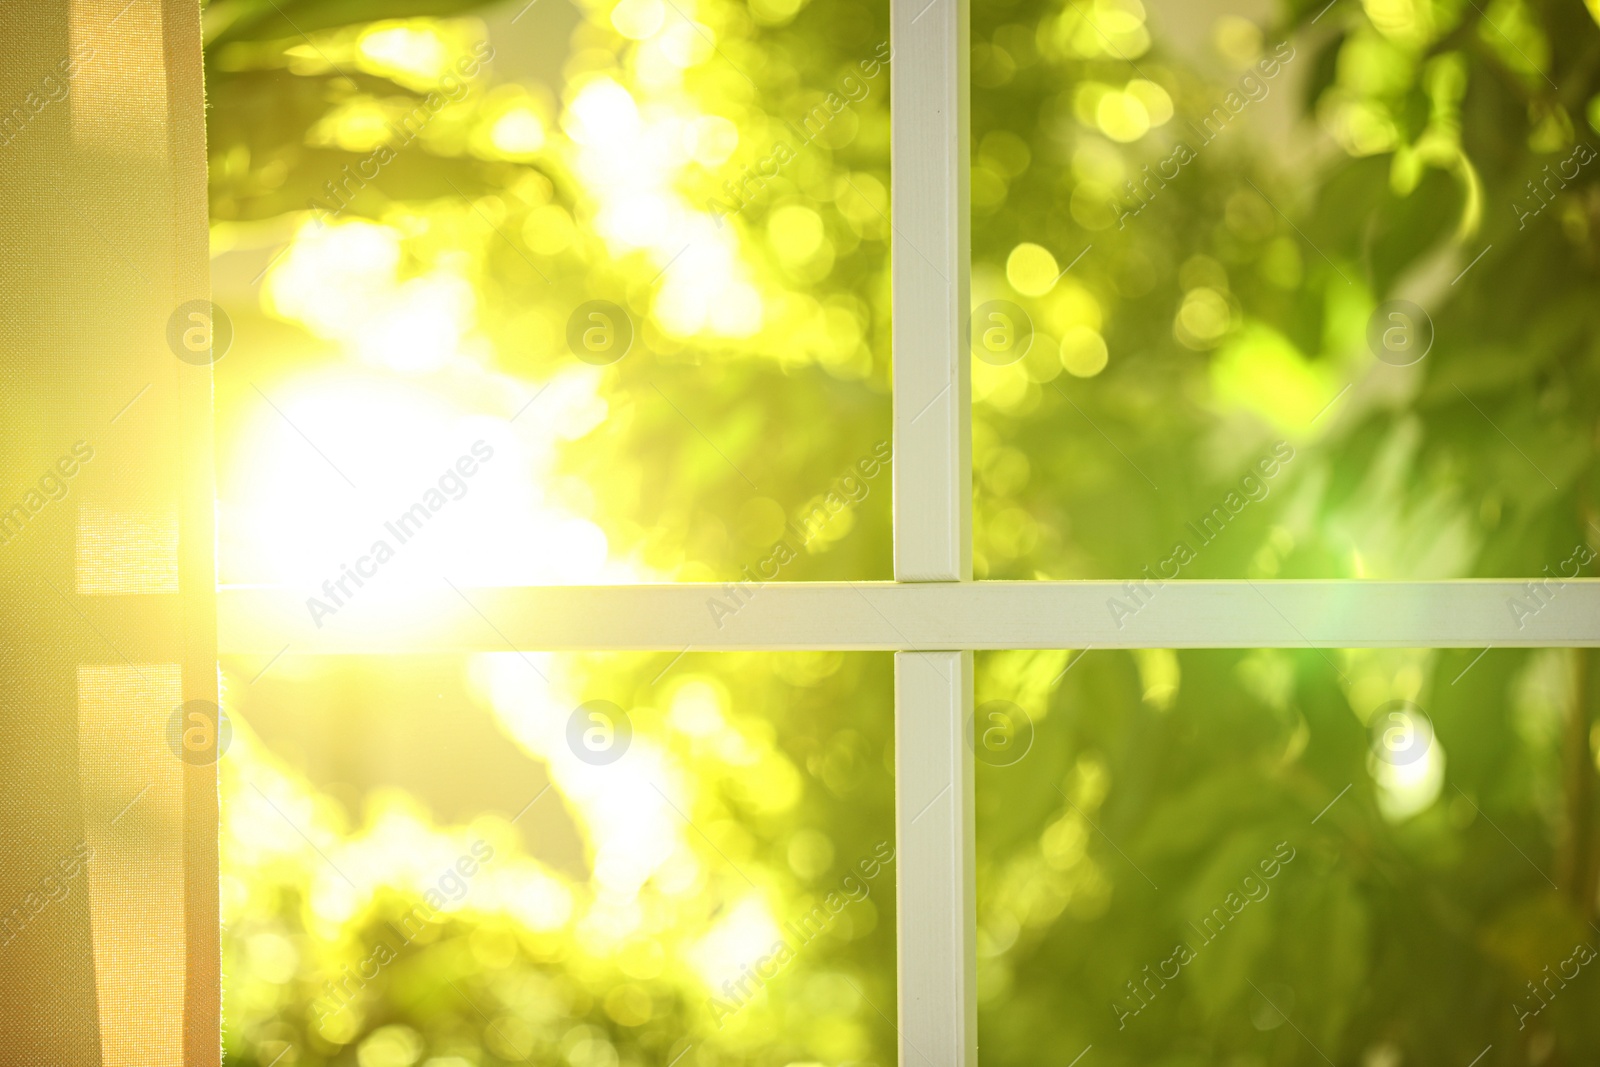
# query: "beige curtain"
{"type": "Point", "coordinates": [108, 793]}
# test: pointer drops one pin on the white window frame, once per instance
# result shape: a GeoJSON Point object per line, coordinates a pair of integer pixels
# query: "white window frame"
{"type": "Point", "coordinates": [933, 615]}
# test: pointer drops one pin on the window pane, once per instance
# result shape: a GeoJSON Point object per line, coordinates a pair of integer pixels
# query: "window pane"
{"type": "Point", "coordinates": [1286, 857]}
{"type": "Point", "coordinates": [1283, 290]}
{"type": "Point", "coordinates": [453, 860]}
{"type": "Point", "coordinates": [638, 252]}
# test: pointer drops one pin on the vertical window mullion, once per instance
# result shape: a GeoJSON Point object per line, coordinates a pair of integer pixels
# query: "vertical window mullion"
{"type": "Point", "coordinates": [932, 529]}
{"type": "Point", "coordinates": [935, 895]}
{"type": "Point", "coordinates": [932, 376]}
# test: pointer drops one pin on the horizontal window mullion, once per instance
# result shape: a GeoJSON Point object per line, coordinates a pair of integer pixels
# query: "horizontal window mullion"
{"type": "Point", "coordinates": [887, 616]}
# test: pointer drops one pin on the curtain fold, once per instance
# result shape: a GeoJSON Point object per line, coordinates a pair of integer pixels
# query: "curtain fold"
{"type": "Point", "coordinates": [108, 734]}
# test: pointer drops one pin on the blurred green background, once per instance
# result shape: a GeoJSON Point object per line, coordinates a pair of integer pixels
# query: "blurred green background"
{"type": "Point", "coordinates": [1206, 213]}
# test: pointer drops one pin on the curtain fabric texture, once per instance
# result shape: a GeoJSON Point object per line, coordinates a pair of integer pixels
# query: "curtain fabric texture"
{"type": "Point", "coordinates": [109, 734]}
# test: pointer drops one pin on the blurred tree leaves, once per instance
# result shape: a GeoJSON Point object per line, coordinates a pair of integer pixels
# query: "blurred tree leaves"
{"type": "Point", "coordinates": [1392, 157]}
{"type": "Point", "coordinates": [228, 21]}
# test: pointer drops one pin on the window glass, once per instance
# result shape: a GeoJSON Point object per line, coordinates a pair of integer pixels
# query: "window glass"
{"type": "Point", "coordinates": [1282, 290]}
{"type": "Point", "coordinates": [636, 251]}
{"type": "Point", "coordinates": [1293, 856]}
{"type": "Point", "coordinates": [517, 857]}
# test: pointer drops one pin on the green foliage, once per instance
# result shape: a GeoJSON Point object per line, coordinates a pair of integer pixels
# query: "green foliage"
{"type": "Point", "coordinates": [1388, 156]}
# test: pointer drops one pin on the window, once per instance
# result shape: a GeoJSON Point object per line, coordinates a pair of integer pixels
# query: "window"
{"type": "Point", "coordinates": [114, 729]}
{"type": "Point", "coordinates": [933, 616]}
